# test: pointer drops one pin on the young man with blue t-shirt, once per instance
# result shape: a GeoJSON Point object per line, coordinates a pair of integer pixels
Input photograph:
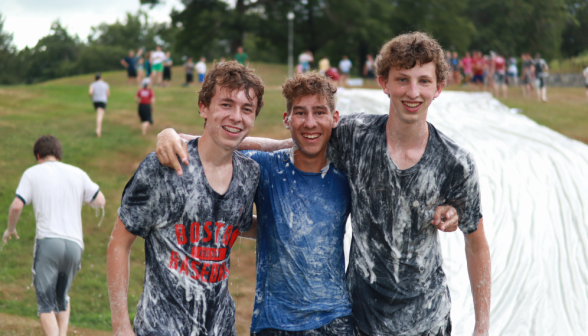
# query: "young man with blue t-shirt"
{"type": "Point", "coordinates": [302, 204]}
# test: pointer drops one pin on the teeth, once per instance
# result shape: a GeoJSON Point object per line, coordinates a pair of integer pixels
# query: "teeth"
{"type": "Point", "coordinates": [412, 104]}
{"type": "Point", "coordinates": [231, 129]}
{"type": "Point", "coordinates": [314, 136]}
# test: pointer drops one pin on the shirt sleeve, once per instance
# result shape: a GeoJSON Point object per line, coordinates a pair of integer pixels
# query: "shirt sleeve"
{"type": "Point", "coordinates": [24, 191]}
{"type": "Point", "coordinates": [464, 195]}
{"type": "Point", "coordinates": [340, 143]}
{"type": "Point", "coordinates": [91, 189]}
{"type": "Point", "coordinates": [145, 198]}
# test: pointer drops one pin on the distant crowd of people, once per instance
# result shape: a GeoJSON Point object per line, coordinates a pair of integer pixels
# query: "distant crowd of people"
{"type": "Point", "coordinates": [496, 72]}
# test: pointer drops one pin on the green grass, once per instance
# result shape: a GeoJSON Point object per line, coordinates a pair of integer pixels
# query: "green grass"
{"type": "Point", "coordinates": [63, 108]}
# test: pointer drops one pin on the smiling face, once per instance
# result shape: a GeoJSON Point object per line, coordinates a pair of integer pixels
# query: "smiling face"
{"type": "Point", "coordinates": [229, 116]}
{"type": "Point", "coordinates": [311, 123]}
{"type": "Point", "coordinates": [411, 92]}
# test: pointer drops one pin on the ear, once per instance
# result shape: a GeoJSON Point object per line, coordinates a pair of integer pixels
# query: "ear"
{"type": "Point", "coordinates": [203, 110]}
{"type": "Point", "coordinates": [286, 120]}
{"type": "Point", "coordinates": [336, 119]}
{"type": "Point", "coordinates": [384, 84]}
{"type": "Point", "coordinates": [440, 88]}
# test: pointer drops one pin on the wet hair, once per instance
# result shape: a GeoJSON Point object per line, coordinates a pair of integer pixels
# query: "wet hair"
{"type": "Point", "coordinates": [309, 84]}
{"type": "Point", "coordinates": [47, 145]}
{"type": "Point", "coordinates": [234, 77]}
{"type": "Point", "coordinates": [98, 76]}
{"type": "Point", "coordinates": [407, 50]}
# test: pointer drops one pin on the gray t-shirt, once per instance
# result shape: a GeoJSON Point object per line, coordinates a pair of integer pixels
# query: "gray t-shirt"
{"type": "Point", "coordinates": [396, 283]}
{"type": "Point", "coordinates": [100, 91]}
{"type": "Point", "coordinates": [189, 230]}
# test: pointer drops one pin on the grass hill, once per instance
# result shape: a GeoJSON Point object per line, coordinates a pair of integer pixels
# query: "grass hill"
{"type": "Point", "coordinates": [63, 108]}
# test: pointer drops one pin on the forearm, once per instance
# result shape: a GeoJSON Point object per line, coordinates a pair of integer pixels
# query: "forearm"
{"type": "Point", "coordinates": [265, 144]}
{"type": "Point", "coordinates": [479, 270]}
{"type": "Point", "coordinates": [118, 267]}
{"type": "Point", "coordinates": [13, 216]}
{"type": "Point", "coordinates": [99, 201]}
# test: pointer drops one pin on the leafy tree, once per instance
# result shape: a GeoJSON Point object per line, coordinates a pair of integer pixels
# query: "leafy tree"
{"type": "Point", "coordinates": [8, 57]}
{"type": "Point", "coordinates": [575, 37]}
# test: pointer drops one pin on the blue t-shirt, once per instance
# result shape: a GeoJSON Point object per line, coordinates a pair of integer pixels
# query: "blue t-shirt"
{"type": "Point", "coordinates": [131, 62]}
{"type": "Point", "coordinates": [300, 261]}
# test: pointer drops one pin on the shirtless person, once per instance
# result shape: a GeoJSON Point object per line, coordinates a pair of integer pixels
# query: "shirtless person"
{"type": "Point", "coordinates": [190, 222]}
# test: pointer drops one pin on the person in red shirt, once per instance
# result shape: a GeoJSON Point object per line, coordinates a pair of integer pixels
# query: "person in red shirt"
{"type": "Point", "coordinates": [478, 69]}
{"type": "Point", "coordinates": [499, 65]}
{"type": "Point", "coordinates": [145, 97]}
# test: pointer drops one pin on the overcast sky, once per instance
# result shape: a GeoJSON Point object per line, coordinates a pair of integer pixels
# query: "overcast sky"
{"type": "Point", "coordinates": [30, 20]}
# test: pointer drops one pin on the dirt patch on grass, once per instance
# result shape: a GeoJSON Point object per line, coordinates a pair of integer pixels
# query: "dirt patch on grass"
{"type": "Point", "coordinates": [25, 326]}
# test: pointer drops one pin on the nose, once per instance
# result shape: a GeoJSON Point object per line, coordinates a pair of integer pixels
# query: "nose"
{"type": "Point", "coordinates": [413, 90]}
{"type": "Point", "coordinates": [310, 121]}
{"type": "Point", "coordinates": [237, 115]}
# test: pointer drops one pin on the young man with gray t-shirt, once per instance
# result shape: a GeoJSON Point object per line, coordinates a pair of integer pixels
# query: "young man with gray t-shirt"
{"type": "Point", "coordinates": [99, 91]}
{"type": "Point", "coordinates": [57, 191]}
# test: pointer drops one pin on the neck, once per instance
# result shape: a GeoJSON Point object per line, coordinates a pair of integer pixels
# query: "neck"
{"type": "Point", "coordinates": [310, 164]}
{"type": "Point", "coordinates": [213, 154]}
{"type": "Point", "coordinates": [407, 136]}
{"type": "Point", "coordinates": [46, 159]}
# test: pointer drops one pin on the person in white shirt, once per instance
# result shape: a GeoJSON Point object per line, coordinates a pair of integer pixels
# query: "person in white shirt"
{"type": "Point", "coordinates": [201, 69]}
{"type": "Point", "coordinates": [157, 59]}
{"type": "Point", "coordinates": [99, 91]}
{"type": "Point", "coordinates": [345, 67]}
{"type": "Point", "coordinates": [57, 192]}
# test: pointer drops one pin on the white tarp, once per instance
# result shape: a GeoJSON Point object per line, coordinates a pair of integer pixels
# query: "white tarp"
{"type": "Point", "coordinates": [534, 184]}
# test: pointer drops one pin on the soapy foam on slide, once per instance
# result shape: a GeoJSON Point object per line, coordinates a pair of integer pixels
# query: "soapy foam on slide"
{"type": "Point", "coordinates": [534, 184]}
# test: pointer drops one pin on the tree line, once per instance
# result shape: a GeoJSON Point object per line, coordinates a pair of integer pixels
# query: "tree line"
{"type": "Point", "coordinates": [331, 28]}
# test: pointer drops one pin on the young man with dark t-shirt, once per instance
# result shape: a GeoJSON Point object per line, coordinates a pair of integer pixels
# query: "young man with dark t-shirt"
{"type": "Point", "coordinates": [190, 222]}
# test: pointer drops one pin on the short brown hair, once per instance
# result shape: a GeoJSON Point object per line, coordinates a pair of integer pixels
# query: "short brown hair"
{"type": "Point", "coordinates": [309, 84]}
{"type": "Point", "coordinates": [406, 50]}
{"type": "Point", "coordinates": [47, 145]}
{"type": "Point", "coordinates": [233, 76]}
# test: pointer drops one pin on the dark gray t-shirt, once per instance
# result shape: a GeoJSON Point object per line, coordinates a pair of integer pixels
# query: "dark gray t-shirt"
{"type": "Point", "coordinates": [396, 283]}
{"type": "Point", "coordinates": [189, 230]}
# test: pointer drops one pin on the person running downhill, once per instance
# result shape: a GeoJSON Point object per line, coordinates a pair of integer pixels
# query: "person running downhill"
{"type": "Point", "coordinates": [57, 192]}
{"type": "Point", "coordinates": [190, 222]}
{"type": "Point", "coordinates": [99, 91]}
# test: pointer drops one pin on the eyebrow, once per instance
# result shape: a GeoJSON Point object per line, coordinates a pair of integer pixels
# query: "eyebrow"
{"type": "Point", "coordinates": [313, 107]}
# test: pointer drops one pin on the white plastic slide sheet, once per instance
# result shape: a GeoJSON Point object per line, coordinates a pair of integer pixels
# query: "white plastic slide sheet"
{"type": "Point", "coordinates": [534, 184]}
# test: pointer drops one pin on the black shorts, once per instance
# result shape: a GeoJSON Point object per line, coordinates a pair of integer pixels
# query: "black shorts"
{"type": "Point", "coordinates": [370, 74]}
{"type": "Point", "coordinates": [131, 73]}
{"type": "Point", "coordinates": [341, 326]}
{"type": "Point", "coordinates": [99, 104]}
{"type": "Point", "coordinates": [166, 73]}
{"type": "Point", "coordinates": [189, 78]}
{"type": "Point", "coordinates": [145, 113]}
{"type": "Point", "coordinates": [540, 82]}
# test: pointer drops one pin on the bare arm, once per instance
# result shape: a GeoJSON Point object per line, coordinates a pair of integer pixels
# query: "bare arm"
{"type": "Point", "coordinates": [108, 93]}
{"type": "Point", "coordinates": [13, 216]}
{"type": "Point", "coordinates": [479, 270]}
{"type": "Point", "coordinates": [170, 144]}
{"type": "Point", "coordinates": [91, 91]}
{"type": "Point", "coordinates": [98, 202]}
{"type": "Point", "coordinates": [118, 267]}
{"type": "Point", "coordinates": [124, 63]}
{"type": "Point", "coordinates": [252, 233]}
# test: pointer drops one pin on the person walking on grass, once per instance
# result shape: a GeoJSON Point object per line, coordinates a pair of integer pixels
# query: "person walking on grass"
{"type": "Point", "coordinates": [190, 222]}
{"type": "Point", "coordinates": [145, 97]}
{"type": "Point", "coordinates": [99, 91]}
{"type": "Point", "coordinates": [167, 69]}
{"type": "Point", "coordinates": [57, 192]}
{"type": "Point", "coordinates": [189, 70]}
{"type": "Point", "coordinates": [131, 63]}
{"type": "Point", "coordinates": [345, 66]}
{"type": "Point", "coordinates": [242, 57]}
{"type": "Point", "coordinates": [201, 69]}
{"type": "Point", "coordinates": [499, 66]}
{"type": "Point", "coordinates": [541, 69]}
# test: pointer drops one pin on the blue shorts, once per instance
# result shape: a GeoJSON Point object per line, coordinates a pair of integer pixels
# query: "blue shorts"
{"type": "Point", "coordinates": [201, 78]}
{"type": "Point", "coordinates": [478, 79]}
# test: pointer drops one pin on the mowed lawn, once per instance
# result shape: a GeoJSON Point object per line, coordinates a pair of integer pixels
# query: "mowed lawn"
{"type": "Point", "coordinates": [63, 108]}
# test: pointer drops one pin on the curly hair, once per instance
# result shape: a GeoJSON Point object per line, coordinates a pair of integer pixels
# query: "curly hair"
{"type": "Point", "coordinates": [309, 84]}
{"type": "Point", "coordinates": [235, 77]}
{"type": "Point", "coordinates": [407, 50]}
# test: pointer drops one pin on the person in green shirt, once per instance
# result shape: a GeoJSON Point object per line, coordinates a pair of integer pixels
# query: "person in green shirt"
{"type": "Point", "coordinates": [241, 56]}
